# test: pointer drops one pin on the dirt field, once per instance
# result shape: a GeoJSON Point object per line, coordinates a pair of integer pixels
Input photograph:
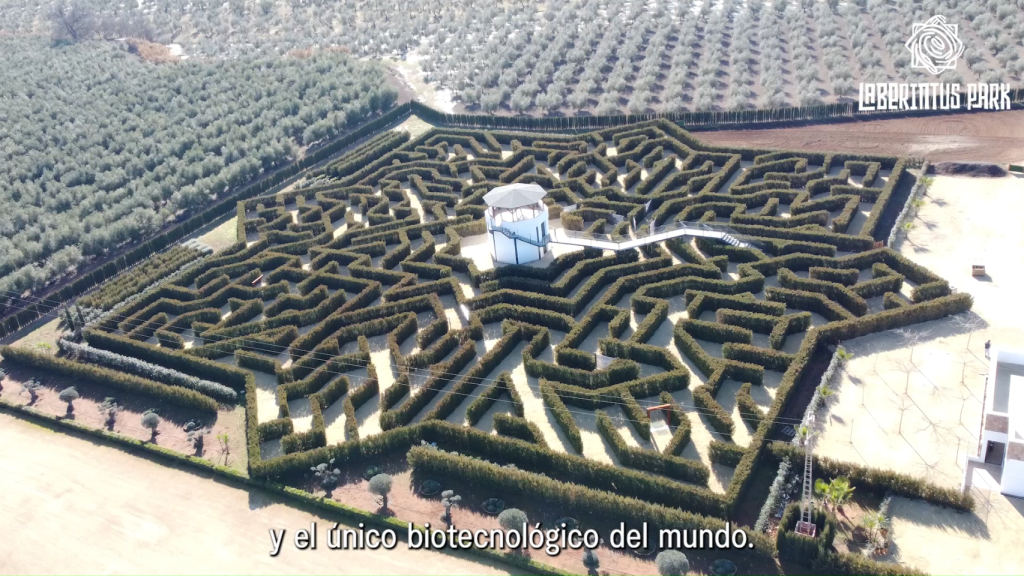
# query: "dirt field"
{"type": "Point", "coordinates": [984, 137]}
{"type": "Point", "coordinates": [73, 515]}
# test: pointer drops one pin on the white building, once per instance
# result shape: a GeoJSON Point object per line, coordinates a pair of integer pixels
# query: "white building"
{"type": "Point", "coordinates": [1002, 430]}
{"type": "Point", "coordinates": [517, 222]}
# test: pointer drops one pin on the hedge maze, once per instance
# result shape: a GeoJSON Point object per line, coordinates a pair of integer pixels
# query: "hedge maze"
{"type": "Point", "coordinates": [358, 299]}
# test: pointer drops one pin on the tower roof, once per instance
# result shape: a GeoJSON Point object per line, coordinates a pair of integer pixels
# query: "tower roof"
{"type": "Point", "coordinates": [514, 195]}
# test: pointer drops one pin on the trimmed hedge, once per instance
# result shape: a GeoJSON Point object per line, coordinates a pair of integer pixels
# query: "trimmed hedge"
{"type": "Point", "coordinates": [879, 480]}
{"type": "Point", "coordinates": [518, 427]}
{"type": "Point", "coordinates": [677, 418]}
{"type": "Point", "coordinates": [482, 403]}
{"type": "Point", "coordinates": [584, 503]}
{"type": "Point", "coordinates": [749, 410]}
{"type": "Point", "coordinates": [111, 378]}
{"type": "Point", "coordinates": [800, 548]}
{"type": "Point", "coordinates": [648, 460]}
{"type": "Point", "coordinates": [562, 415]}
{"type": "Point", "coordinates": [725, 453]}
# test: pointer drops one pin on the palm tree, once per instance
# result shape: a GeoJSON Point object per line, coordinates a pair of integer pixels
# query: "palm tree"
{"type": "Point", "coordinates": [874, 521]}
{"type": "Point", "coordinates": [835, 493]}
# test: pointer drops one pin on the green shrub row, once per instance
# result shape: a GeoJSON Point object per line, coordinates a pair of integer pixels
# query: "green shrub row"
{"type": "Point", "coordinates": [767, 357]}
{"type": "Point", "coordinates": [844, 276]}
{"type": "Point", "coordinates": [391, 395]}
{"type": "Point", "coordinates": [879, 480]}
{"type": "Point", "coordinates": [713, 411]}
{"type": "Point", "coordinates": [477, 374]}
{"type": "Point", "coordinates": [518, 427]}
{"type": "Point", "coordinates": [648, 460]}
{"type": "Point", "coordinates": [275, 429]}
{"type": "Point", "coordinates": [440, 375]}
{"type": "Point", "coordinates": [800, 548]}
{"type": "Point", "coordinates": [585, 503]}
{"type": "Point", "coordinates": [562, 416]}
{"type": "Point", "coordinates": [482, 403]}
{"type": "Point", "coordinates": [110, 378]}
{"type": "Point", "coordinates": [840, 294]}
{"type": "Point", "coordinates": [749, 410]}
{"type": "Point", "coordinates": [677, 418]}
{"type": "Point", "coordinates": [893, 300]}
{"type": "Point", "coordinates": [715, 332]}
{"type": "Point", "coordinates": [725, 453]}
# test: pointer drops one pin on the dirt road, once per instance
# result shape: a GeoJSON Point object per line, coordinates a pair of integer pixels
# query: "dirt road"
{"type": "Point", "coordinates": [80, 507]}
{"type": "Point", "coordinates": [982, 137]}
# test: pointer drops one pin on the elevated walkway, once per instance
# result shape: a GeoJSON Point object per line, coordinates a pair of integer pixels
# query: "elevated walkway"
{"type": "Point", "coordinates": [633, 240]}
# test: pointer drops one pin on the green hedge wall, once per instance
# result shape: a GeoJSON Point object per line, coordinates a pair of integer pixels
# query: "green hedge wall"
{"type": "Point", "coordinates": [111, 378]}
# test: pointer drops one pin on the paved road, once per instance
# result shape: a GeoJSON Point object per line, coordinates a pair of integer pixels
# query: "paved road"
{"type": "Point", "coordinates": [68, 505]}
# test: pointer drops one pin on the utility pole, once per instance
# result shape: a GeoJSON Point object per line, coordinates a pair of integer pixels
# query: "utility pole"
{"type": "Point", "coordinates": [806, 526]}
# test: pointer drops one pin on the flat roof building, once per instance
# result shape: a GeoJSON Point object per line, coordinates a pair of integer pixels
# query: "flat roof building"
{"type": "Point", "coordinates": [1002, 422]}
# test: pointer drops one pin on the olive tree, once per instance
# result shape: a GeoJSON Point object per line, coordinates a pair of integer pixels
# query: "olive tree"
{"type": "Point", "coordinates": [32, 387]}
{"type": "Point", "coordinates": [381, 486]}
{"type": "Point", "coordinates": [590, 561]}
{"type": "Point", "coordinates": [512, 519]}
{"type": "Point", "coordinates": [109, 409]}
{"type": "Point", "coordinates": [69, 395]}
{"type": "Point", "coordinates": [150, 419]}
{"type": "Point", "coordinates": [327, 475]}
{"type": "Point", "coordinates": [449, 499]}
{"type": "Point", "coordinates": [672, 563]}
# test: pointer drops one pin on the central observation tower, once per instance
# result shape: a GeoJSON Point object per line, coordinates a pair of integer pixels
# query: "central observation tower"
{"type": "Point", "coordinates": [517, 221]}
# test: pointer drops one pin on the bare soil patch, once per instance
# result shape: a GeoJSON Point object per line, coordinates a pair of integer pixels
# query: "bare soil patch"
{"type": "Point", "coordinates": [151, 51]}
{"type": "Point", "coordinates": [406, 502]}
{"type": "Point", "coordinates": [984, 136]}
{"type": "Point", "coordinates": [119, 512]}
{"type": "Point", "coordinates": [170, 432]}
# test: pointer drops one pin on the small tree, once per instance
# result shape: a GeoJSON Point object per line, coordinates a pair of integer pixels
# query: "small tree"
{"type": "Point", "coordinates": [109, 409]}
{"type": "Point", "coordinates": [72, 21]}
{"type": "Point", "coordinates": [512, 519]}
{"type": "Point", "coordinates": [327, 475]}
{"type": "Point", "coordinates": [69, 395]}
{"type": "Point", "coordinates": [834, 493]}
{"type": "Point", "coordinates": [196, 434]}
{"type": "Point", "coordinates": [381, 486]}
{"type": "Point", "coordinates": [31, 386]}
{"type": "Point", "coordinates": [672, 563]}
{"type": "Point", "coordinates": [449, 499]}
{"type": "Point", "coordinates": [874, 522]}
{"type": "Point", "coordinates": [150, 419]}
{"type": "Point", "coordinates": [68, 320]}
{"type": "Point", "coordinates": [590, 561]}
{"type": "Point", "coordinates": [225, 446]}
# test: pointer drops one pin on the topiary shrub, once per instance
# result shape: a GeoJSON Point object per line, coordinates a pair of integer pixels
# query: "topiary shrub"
{"type": "Point", "coordinates": [591, 562]}
{"type": "Point", "coordinates": [672, 563]}
{"type": "Point", "coordinates": [69, 395]}
{"type": "Point", "coordinates": [512, 519]}
{"type": "Point", "coordinates": [381, 486]}
{"type": "Point", "coordinates": [150, 419]}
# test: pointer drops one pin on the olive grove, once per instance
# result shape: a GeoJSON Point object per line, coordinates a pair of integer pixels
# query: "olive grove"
{"type": "Point", "coordinates": [100, 148]}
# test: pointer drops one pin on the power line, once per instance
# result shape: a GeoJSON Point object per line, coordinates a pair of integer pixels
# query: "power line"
{"type": "Point", "coordinates": [255, 344]}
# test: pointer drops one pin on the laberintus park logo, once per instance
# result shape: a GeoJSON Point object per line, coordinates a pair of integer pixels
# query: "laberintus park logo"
{"type": "Point", "coordinates": [935, 47]}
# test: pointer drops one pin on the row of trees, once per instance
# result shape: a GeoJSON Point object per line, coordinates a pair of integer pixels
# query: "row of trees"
{"type": "Point", "coordinates": [605, 56]}
{"type": "Point", "coordinates": [100, 148]}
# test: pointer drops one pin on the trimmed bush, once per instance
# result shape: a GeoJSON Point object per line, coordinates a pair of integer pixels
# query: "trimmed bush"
{"type": "Point", "coordinates": [111, 378]}
{"type": "Point", "coordinates": [518, 427]}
